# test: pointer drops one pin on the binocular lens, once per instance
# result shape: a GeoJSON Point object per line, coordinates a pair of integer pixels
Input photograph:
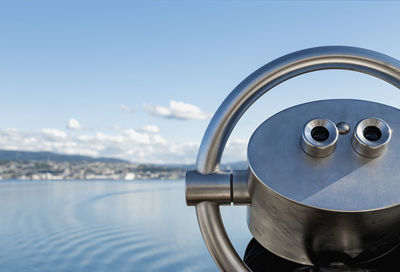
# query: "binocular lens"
{"type": "Point", "coordinates": [372, 133]}
{"type": "Point", "coordinates": [320, 134]}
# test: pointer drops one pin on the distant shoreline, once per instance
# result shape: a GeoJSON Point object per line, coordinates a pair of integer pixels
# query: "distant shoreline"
{"type": "Point", "coordinates": [51, 170]}
{"type": "Point", "coordinates": [93, 180]}
{"type": "Point", "coordinates": [26, 165]}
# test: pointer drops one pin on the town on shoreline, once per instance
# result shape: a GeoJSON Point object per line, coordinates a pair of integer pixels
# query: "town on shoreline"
{"type": "Point", "coordinates": [27, 165]}
{"type": "Point", "coordinates": [83, 170]}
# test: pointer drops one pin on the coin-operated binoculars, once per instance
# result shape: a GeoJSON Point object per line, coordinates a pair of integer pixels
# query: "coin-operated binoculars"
{"type": "Point", "coordinates": [323, 178]}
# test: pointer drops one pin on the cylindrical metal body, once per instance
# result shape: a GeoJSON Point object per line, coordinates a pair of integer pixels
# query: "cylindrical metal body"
{"type": "Point", "coordinates": [317, 210]}
{"type": "Point", "coordinates": [312, 236]}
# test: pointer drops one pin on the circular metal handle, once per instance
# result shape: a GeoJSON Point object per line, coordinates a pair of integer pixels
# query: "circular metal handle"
{"type": "Point", "coordinates": [244, 95]}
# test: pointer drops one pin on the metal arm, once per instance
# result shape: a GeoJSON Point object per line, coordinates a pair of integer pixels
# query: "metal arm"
{"type": "Point", "coordinates": [216, 239]}
{"type": "Point", "coordinates": [244, 95]}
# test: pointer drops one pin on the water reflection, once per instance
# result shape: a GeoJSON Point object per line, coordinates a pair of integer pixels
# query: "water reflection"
{"type": "Point", "coordinates": [104, 226]}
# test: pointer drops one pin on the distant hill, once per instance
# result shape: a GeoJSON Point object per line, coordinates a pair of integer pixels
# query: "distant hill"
{"type": "Point", "coordinates": [7, 155]}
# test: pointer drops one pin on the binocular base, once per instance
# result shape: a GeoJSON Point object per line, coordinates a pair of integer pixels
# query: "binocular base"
{"type": "Point", "coordinates": [259, 259]}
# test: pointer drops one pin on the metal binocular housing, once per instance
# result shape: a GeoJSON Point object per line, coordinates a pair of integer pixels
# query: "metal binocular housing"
{"type": "Point", "coordinates": [322, 183]}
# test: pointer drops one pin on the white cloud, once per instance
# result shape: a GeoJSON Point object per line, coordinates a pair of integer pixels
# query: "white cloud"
{"type": "Point", "coordinates": [235, 150]}
{"type": "Point", "coordinates": [74, 124]}
{"type": "Point", "coordinates": [109, 138]}
{"type": "Point", "coordinates": [127, 144]}
{"type": "Point", "coordinates": [177, 110]}
{"type": "Point", "coordinates": [137, 137]}
{"type": "Point", "coordinates": [159, 139]}
{"type": "Point", "coordinates": [85, 138]}
{"type": "Point", "coordinates": [150, 129]}
{"type": "Point", "coordinates": [54, 133]}
{"type": "Point", "coordinates": [126, 108]}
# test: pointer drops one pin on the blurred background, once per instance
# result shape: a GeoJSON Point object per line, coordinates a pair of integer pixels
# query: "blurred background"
{"type": "Point", "coordinates": [122, 92]}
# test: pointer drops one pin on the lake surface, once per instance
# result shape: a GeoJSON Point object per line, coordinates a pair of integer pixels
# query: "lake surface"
{"type": "Point", "coordinates": [105, 226]}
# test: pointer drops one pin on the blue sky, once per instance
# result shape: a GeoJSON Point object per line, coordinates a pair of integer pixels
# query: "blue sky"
{"type": "Point", "coordinates": [143, 78]}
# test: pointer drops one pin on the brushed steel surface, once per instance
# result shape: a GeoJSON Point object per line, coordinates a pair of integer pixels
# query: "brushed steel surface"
{"type": "Point", "coordinates": [339, 208]}
{"type": "Point", "coordinates": [252, 88]}
{"type": "Point", "coordinates": [221, 187]}
{"type": "Point", "coordinates": [240, 188]}
{"type": "Point", "coordinates": [307, 235]}
{"type": "Point", "coordinates": [215, 187]}
{"type": "Point", "coordinates": [342, 181]}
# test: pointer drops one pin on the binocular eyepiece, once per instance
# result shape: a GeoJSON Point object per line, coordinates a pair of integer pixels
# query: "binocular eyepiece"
{"type": "Point", "coordinates": [370, 138]}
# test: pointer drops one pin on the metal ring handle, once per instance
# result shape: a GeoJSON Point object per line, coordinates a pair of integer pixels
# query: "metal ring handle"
{"type": "Point", "coordinates": [244, 95]}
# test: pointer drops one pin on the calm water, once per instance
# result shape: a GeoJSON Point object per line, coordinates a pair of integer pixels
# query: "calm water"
{"type": "Point", "coordinates": [105, 226]}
